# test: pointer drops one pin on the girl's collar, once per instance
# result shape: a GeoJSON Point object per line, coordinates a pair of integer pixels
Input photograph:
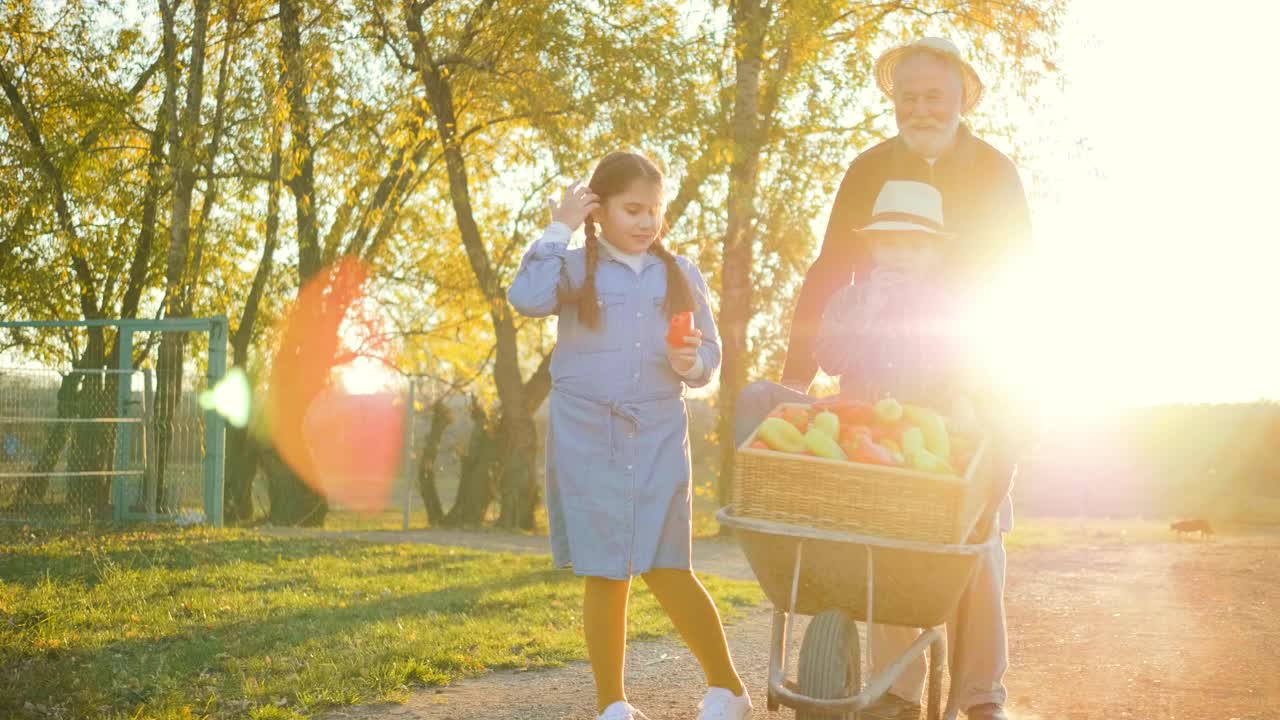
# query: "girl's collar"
{"type": "Point", "coordinates": [637, 261]}
{"type": "Point", "coordinates": [613, 250]}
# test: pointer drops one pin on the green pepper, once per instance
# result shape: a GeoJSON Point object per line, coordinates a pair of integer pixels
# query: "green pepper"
{"type": "Point", "coordinates": [827, 422]}
{"type": "Point", "coordinates": [821, 444]}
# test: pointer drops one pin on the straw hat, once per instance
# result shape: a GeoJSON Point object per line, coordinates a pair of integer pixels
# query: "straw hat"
{"type": "Point", "coordinates": [908, 206]}
{"type": "Point", "coordinates": [939, 47]}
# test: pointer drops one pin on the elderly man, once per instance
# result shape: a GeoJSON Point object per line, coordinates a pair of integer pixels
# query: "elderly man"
{"type": "Point", "coordinates": [931, 87]}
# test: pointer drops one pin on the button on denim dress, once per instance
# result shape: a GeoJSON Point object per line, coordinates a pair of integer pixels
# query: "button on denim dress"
{"type": "Point", "coordinates": [617, 463]}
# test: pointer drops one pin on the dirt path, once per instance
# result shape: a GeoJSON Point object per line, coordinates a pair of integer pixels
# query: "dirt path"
{"type": "Point", "coordinates": [1147, 631]}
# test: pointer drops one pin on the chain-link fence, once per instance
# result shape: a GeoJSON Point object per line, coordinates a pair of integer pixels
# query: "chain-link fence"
{"type": "Point", "coordinates": [450, 441]}
{"type": "Point", "coordinates": [75, 446]}
{"type": "Point", "coordinates": [101, 443]}
{"type": "Point", "coordinates": [60, 433]}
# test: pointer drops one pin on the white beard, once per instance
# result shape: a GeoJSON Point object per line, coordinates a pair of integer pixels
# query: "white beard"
{"type": "Point", "coordinates": [932, 142]}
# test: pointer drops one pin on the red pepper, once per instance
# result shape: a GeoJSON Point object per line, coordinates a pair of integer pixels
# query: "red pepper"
{"type": "Point", "coordinates": [849, 412]}
{"type": "Point", "coordinates": [891, 430]}
{"type": "Point", "coordinates": [798, 417]}
{"type": "Point", "coordinates": [849, 433]}
{"type": "Point", "coordinates": [871, 453]}
{"type": "Point", "coordinates": [856, 414]}
{"type": "Point", "coordinates": [681, 326]}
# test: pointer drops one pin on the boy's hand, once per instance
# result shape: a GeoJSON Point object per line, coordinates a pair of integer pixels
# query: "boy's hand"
{"type": "Point", "coordinates": [575, 205]}
{"type": "Point", "coordinates": [683, 356]}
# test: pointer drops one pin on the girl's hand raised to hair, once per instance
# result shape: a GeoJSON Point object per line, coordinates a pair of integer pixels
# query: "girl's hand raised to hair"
{"type": "Point", "coordinates": [577, 202]}
{"type": "Point", "coordinates": [683, 357]}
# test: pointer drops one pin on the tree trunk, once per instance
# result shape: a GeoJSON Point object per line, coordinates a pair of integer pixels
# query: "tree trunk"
{"type": "Point", "coordinates": [92, 444]}
{"type": "Point", "coordinates": [475, 482]}
{"type": "Point", "coordinates": [301, 179]}
{"type": "Point", "coordinates": [150, 206]}
{"type": "Point", "coordinates": [292, 502]}
{"type": "Point", "coordinates": [518, 447]}
{"type": "Point", "coordinates": [209, 197]}
{"type": "Point", "coordinates": [183, 140]}
{"type": "Point", "coordinates": [242, 451]}
{"type": "Point", "coordinates": [440, 419]}
{"type": "Point", "coordinates": [749, 20]}
{"type": "Point", "coordinates": [292, 498]}
{"type": "Point", "coordinates": [32, 491]}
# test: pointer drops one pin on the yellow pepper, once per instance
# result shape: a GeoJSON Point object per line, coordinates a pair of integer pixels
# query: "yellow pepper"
{"type": "Point", "coordinates": [781, 435]}
{"type": "Point", "coordinates": [936, 439]}
{"type": "Point", "coordinates": [823, 445]}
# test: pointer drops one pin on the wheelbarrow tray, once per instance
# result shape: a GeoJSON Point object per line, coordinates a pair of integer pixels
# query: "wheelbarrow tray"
{"type": "Point", "coordinates": [812, 571]}
{"type": "Point", "coordinates": [912, 583]}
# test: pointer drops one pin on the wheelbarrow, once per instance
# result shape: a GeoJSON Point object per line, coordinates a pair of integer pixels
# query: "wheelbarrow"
{"type": "Point", "coordinates": [840, 579]}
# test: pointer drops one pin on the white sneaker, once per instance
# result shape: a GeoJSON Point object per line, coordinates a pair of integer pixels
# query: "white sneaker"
{"type": "Point", "coordinates": [621, 710]}
{"type": "Point", "coordinates": [720, 704]}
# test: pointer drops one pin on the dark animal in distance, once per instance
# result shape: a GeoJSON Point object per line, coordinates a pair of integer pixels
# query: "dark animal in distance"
{"type": "Point", "coordinates": [1192, 525]}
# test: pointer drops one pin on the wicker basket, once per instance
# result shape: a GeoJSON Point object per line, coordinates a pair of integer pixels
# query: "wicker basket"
{"type": "Point", "coordinates": [873, 500]}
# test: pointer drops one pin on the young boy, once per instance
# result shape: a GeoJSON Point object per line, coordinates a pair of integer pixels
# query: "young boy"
{"type": "Point", "coordinates": [895, 332]}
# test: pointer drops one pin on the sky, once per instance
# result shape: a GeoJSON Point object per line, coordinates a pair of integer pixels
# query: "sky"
{"type": "Point", "coordinates": [1152, 173]}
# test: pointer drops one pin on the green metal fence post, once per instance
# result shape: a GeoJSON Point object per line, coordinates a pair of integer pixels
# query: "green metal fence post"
{"type": "Point", "coordinates": [124, 433]}
{"type": "Point", "coordinates": [407, 461]}
{"type": "Point", "coordinates": [215, 426]}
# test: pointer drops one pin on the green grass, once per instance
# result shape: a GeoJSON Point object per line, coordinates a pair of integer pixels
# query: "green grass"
{"type": "Point", "coordinates": [349, 520]}
{"type": "Point", "coordinates": [704, 521]}
{"type": "Point", "coordinates": [166, 623]}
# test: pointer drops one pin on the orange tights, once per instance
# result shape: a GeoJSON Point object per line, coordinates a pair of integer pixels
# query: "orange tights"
{"type": "Point", "coordinates": [688, 605]}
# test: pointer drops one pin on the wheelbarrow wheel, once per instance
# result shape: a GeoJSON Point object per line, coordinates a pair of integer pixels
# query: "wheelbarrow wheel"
{"type": "Point", "coordinates": [830, 661]}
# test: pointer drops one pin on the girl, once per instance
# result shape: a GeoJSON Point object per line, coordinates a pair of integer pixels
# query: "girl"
{"type": "Point", "coordinates": [617, 476]}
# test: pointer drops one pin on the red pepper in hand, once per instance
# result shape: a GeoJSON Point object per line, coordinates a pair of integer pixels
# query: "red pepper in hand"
{"type": "Point", "coordinates": [681, 325]}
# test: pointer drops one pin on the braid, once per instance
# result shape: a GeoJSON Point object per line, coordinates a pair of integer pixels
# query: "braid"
{"type": "Point", "coordinates": [588, 307]}
{"type": "Point", "coordinates": [679, 296]}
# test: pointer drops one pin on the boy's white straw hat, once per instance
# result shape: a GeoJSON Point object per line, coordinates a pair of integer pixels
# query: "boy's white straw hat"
{"type": "Point", "coordinates": [908, 206]}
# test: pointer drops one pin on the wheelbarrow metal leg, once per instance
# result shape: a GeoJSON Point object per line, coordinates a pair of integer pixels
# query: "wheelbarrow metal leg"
{"type": "Point", "coordinates": [870, 605]}
{"type": "Point", "coordinates": [778, 650]}
{"type": "Point", "coordinates": [935, 680]}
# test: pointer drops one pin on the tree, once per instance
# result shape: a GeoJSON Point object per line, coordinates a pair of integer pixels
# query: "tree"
{"type": "Point", "coordinates": [62, 101]}
{"type": "Point", "coordinates": [185, 130]}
